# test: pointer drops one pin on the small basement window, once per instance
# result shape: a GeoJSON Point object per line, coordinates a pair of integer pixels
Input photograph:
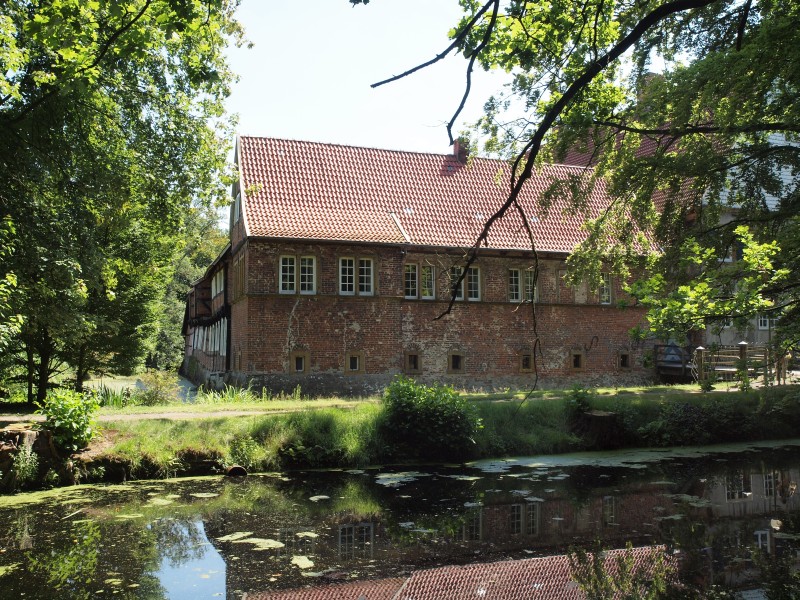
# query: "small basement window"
{"type": "Point", "coordinates": [577, 361]}
{"type": "Point", "coordinates": [526, 362]}
{"type": "Point", "coordinates": [354, 362]}
{"type": "Point", "coordinates": [455, 362]}
{"type": "Point", "coordinates": [298, 362]}
{"type": "Point", "coordinates": [624, 360]}
{"type": "Point", "coordinates": [412, 363]}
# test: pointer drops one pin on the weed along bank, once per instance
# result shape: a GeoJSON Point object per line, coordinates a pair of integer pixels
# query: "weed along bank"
{"type": "Point", "coordinates": [342, 263]}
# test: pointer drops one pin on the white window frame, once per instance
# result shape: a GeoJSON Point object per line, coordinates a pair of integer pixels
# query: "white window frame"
{"type": "Point", "coordinates": [514, 285]}
{"type": "Point", "coordinates": [765, 322]}
{"type": "Point", "coordinates": [604, 292]}
{"type": "Point", "coordinates": [473, 284]}
{"type": "Point", "coordinates": [302, 278]}
{"type": "Point", "coordinates": [347, 281]}
{"type": "Point", "coordinates": [455, 273]}
{"type": "Point", "coordinates": [531, 289]}
{"type": "Point", "coordinates": [413, 270]}
{"type": "Point", "coordinates": [298, 281]}
{"type": "Point", "coordinates": [427, 275]}
{"type": "Point", "coordinates": [366, 277]}
{"type": "Point", "coordinates": [287, 284]}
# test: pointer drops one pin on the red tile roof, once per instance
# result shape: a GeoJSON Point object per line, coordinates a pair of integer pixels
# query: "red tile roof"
{"type": "Point", "coordinates": [308, 190]}
{"type": "Point", "coordinates": [546, 578]}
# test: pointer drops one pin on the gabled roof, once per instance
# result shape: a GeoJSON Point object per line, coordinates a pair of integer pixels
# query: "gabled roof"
{"type": "Point", "coordinates": [546, 578]}
{"type": "Point", "coordinates": [317, 191]}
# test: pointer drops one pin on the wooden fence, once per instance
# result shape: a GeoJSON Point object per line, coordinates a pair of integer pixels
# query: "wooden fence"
{"type": "Point", "coordinates": [718, 362]}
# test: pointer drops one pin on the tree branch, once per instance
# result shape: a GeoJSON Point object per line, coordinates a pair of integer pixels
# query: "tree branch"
{"type": "Point", "coordinates": [456, 41]}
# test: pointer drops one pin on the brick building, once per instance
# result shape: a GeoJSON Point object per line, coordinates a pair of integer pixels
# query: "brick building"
{"type": "Point", "coordinates": [341, 266]}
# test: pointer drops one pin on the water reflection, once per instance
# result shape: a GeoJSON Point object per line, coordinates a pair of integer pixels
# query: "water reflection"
{"type": "Point", "coordinates": [208, 537]}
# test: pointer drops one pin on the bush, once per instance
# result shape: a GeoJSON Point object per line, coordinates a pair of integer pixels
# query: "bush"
{"type": "Point", "coordinates": [25, 466]}
{"type": "Point", "coordinates": [160, 387]}
{"type": "Point", "coordinates": [430, 422]}
{"type": "Point", "coordinates": [70, 417]}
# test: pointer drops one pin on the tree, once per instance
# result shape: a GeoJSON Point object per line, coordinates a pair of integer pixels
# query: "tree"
{"type": "Point", "coordinates": [701, 159]}
{"type": "Point", "coordinates": [114, 127]}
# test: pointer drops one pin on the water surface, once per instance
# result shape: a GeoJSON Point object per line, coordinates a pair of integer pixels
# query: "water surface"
{"type": "Point", "coordinates": [218, 538]}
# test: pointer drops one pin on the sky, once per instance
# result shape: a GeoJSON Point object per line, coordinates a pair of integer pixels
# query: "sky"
{"type": "Point", "coordinates": [308, 74]}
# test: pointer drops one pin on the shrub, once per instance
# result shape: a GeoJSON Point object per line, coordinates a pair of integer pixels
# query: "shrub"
{"type": "Point", "coordinates": [25, 466]}
{"type": "Point", "coordinates": [69, 416]}
{"type": "Point", "coordinates": [432, 422]}
{"type": "Point", "coordinates": [160, 387]}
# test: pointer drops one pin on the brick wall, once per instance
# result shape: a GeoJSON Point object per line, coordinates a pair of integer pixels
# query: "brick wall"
{"type": "Point", "coordinates": [269, 329]}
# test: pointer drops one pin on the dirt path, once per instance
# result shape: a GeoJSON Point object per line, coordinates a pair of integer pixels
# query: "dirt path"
{"type": "Point", "coordinates": [174, 416]}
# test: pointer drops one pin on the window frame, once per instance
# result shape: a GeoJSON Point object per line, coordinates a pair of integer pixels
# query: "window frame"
{"type": "Point", "coordinates": [298, 354]}
{"type": "Point", "coordinates": [406, 363]}
{"type": "Point", "coordinates": [422, 278]}
{"type": "Point", "coordinates": [451, 370]}
{"type": "Point", "coordinates": [362, 261]}
{"type": "Point", "coordinates": [473, 276]}
{"type": "Point", "coordinates": [359, 356]}
{"type": "Point", "coordinates": [351, 281]}
{"type": "Point", "coordinates": [582, 363]}
{"type": "Point", "coordinates": [522, 357]}
{"type": "Point", "coordinates": [299, 274]}
{"type": "Point", "coordinates": [514, 288]}
{"type": "Point", "coordinates": [408, 293]}
{"type": "Point", "coordinates": [604, 293]}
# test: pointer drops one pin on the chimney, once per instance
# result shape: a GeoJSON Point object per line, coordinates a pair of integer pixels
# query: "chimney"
{"type": "Point", "coordinates": [461, 150]}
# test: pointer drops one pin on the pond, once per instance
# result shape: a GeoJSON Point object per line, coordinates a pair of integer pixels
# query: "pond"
{"type": "Point", "coordinates": [221, 538]}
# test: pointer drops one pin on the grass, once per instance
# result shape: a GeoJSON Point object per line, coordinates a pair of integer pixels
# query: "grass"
{"type": "Point", "coordinates": [333, 432]}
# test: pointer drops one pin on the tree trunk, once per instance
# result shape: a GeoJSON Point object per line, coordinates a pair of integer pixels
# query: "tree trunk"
{"type": "Point", "coordinates": [80, 369]}
{"type": "Point", "coordinates": [45, 353]}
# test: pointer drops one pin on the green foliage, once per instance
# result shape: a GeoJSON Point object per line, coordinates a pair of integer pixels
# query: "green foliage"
{"type": "Point", "coordinates": [160, 387]}
{"type": "Point", "coordinates": [108, 152]}
{"type": "Point", "coordinates": [431, 422]}
{"type": "Point", "coordinates": [113, 398]}
{"type": "Point", "coordinates": [70, 417]}
{"type": "Point", "coordinates": [246, 452]}
{"type": "Point", "coordinates": [25, 466]}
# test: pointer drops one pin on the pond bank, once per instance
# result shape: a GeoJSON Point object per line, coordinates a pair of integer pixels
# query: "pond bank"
{"type": "Point", "coordinates": [136, 447]}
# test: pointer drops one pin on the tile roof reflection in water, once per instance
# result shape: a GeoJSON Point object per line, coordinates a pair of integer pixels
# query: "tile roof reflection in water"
{"type": "Point", "coordinates": [546, 578]}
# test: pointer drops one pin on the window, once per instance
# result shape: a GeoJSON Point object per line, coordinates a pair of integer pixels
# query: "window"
{"type": "Point", "coordinates": [287, 275]}
{"type": "Point", "coordinates": [521, 285]}
{"type": "Point", "coordinates": [530, 289]}
{"type": "Point", "coordinates": [609, 511]}
{"type": "Point", "coordinates": [410, 281]}
{"type": "Point", "coordinates": [411, 363]}
{"type": "Point", "coordinates": [365, 276]}
{"type": "Point", "coordinates": [218, 283]}
{"type": "Point", "coordinates": [298, 362]}
{"type": "Point", "coordinates": [472, 526]}
{"type": "Point", "coordinates": [605, 289]}
{"type": "Point", "coordinates": [473, 280]}
{"type": "Point", "coordinates": [237, 202]}
{"type": "Point", "coordinates": [515, 518]}
{"type": "Point", "coordinates": [769, 484]}
{"type": "Point", "coordinates": [455, 362]}
{"type": "Point", "coordinates": [427, 283]}
{"type": "Point", "coordinates": [293, 278]}
{"type": "Point", "coordinates": [308, 280]}
{"type": "Point", "coordinates": [419, 282]}
{"type": "Point", "coordinates": [576, 360]}
{"type": "Point", "coordinates": [624, 360]}
{"type": "Point", "coordinates": [737, 486]}
{"type": "Point", "coordinates": [354, 362]}
{"type": "Point", "coordinates": [526, 362]}
{"type": "Point", "coordinates": [514, 286]}
{"type": "Point", "coordinates": [532, 515]}
{"type": "Point", "coordinates": [765, 322]}
{"type": "Point", "coordinates": [456, 288]}
{"type": "Point", "coordinates": [356, 541]}
{"type": "Point", "coordinates": [347, 276]}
